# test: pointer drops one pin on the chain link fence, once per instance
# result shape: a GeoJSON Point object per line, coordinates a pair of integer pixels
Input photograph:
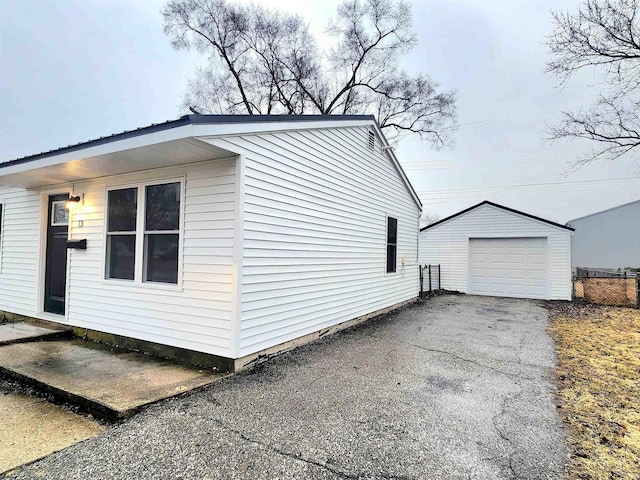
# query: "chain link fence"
{"type": "Point", "coordinates": [429, 279]}
{"type": "Point", "coordinates": [606, 287]}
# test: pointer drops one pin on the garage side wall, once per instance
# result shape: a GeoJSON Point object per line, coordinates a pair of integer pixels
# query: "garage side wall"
{"type": "Point", "coordinates": [447, 244]}
{"type": "Point", "coordinates": [315, 224]}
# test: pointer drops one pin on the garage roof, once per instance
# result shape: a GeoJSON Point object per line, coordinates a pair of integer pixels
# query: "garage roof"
{"type": "Point", "coordinates": [487, 202]}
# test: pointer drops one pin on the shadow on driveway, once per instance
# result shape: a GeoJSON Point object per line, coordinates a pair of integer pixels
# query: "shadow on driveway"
{"type": "Point", "coordinates": [456, 387]}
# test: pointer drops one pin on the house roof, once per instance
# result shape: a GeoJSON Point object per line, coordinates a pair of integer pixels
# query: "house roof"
{"type": "Point", "coordinates": [165, 144]}
{"type": "Point", "coordinates": [183, 121]}
{"type": "Point", "coordinates": [604, 211]}
{"type": "Point", "coordinates": [487, 202]}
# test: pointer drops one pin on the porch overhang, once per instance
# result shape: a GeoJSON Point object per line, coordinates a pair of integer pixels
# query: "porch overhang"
{"type": "Point", "coordinates": [165, 148]}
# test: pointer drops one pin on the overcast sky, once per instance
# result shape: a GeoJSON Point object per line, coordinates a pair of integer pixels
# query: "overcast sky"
{"type": "Point", "coordinates": [74, 70]}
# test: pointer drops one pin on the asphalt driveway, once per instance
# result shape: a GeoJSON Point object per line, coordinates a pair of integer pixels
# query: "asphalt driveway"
{"type": "Point", "coordinates": [455, 387]}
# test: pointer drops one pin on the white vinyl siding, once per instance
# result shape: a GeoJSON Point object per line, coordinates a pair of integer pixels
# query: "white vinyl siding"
{"type": "Point", "coordinates": [1, 225]}
{"type": "Point", "coordinates": [286, 239]}
{"type": "Point", "coordinates": [447, 244]}
{"type": "Point", "coordinates": [196, 314]}
{"type": "Point", "coordinates": [315, 233]}
{"type": "Point", "coordinates": [20, 250]}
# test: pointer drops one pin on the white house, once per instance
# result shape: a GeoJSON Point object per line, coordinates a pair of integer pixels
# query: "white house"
{"type": "Point", "coordinates": [489, 249]}
{"type": "Point", "coordinates": [232, 236]}
{"type": "Point", "coordinates": [607, 239]}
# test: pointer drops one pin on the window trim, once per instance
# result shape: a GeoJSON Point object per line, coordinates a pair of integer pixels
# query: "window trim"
{"type": "Point", "coordinates": [139, 262]}
{"type": "Point", "coordinates": [146, 233]}
{"type": "Point", "coordinates": [133, 233]}
{"type": "Point", "coordinates": [387, 244]}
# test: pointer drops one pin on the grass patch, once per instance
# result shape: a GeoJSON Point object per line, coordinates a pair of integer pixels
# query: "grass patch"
{"type": "Point", "coordinates": [598, 378]}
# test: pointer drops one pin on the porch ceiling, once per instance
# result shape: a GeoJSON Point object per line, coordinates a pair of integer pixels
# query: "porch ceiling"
{"type": "Point", "coordinates": [84, 166]}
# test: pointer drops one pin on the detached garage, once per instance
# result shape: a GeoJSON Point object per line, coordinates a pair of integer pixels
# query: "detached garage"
{"type": "Point", "coordinates": [489, 249]}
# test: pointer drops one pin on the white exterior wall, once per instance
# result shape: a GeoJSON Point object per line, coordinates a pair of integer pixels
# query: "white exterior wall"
{"type": "Point", "coordinates": [287, 239]}
{"type": "Point", "coordinates": [314, 247]}
{"type": "Point", "coordinates": [447, 244]}
{"type": "Point", "coordinates": [195, 315]}
{"type": "Point", "coordinates": [19, 250]}
{"type": "Point", "coordinates": [609, 239]}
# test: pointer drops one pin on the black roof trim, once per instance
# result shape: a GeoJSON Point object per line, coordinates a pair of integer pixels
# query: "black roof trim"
{"type": "Point", "coordinates": [199, 119]}
{"type": "Point", "coordinates": [512, 210]}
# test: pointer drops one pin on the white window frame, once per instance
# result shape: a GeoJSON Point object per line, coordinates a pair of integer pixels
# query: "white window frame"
{"type": "Point", "coordinates": [133, 233]}
{"type": "Point", "coordinates": [140, 234]}
{"type": "Point", "coordinates": [146, 233]}
{"type": "Point", "coordinates": [386, 243]}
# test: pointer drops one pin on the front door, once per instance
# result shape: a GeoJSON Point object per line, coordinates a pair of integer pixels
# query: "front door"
{"type": "Point", "coordinates": [55, 279]}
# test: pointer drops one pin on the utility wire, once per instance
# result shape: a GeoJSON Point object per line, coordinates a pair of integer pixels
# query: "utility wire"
{"type": "Point", "coordinates": [539, 113]}
{"type": "Point", "coordinates": [481, 196]}
{"type": "Point", "coordinates": [527, 185]}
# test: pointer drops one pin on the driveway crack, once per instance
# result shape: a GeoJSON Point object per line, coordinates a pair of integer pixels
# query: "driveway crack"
{"type": "Point", "coordinates": [502, 434]}
{"type": "Point", "coordinates": [468, 360]}
{"type": "Point", "coordinates": [297, 457]}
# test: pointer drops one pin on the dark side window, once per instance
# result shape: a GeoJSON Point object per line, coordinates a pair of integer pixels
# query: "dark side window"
{"type": "Point", "coordinates": [0, 233]}
{"type": "Point", "coordinates": [392, 243]}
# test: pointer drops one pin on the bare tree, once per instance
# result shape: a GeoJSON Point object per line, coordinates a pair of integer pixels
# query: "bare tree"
{"type": "Point", "coordinates": [604, 35]}
{"type": "Point", "coordinates": [266, 62]}
{"type": "Point", "coordinates": [427, 218]}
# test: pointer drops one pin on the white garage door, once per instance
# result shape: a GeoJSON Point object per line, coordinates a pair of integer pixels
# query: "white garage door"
{"type": "Point", "coordinates": [508, 267]}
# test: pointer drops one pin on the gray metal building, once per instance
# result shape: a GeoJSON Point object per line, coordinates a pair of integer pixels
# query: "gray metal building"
{"type": "Point", "coordinates": [607, 239]}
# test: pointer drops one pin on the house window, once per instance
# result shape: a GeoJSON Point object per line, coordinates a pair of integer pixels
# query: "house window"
{"type": "Point", "coordinates": [122, 213]}
{"type": "Point", "coordinates": [162, 232]}
{"type": "Point", "coordinates": [154, 227]}
{"type": "Point", "coordinates": [392, 243]}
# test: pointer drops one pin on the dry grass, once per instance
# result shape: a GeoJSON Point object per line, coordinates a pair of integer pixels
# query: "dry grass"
{"type": "Point", "coordinates": [598, 379]}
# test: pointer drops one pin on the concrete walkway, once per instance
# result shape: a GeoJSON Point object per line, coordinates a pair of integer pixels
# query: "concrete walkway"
{"type": "Point", "coordinates": [459, 387]}
{"type": "Point", "coordinates": [27, 332]}
{"type": "Point", "coordinates": [31, 428]}
{"type": "Point", "coordinates": [112, 384]}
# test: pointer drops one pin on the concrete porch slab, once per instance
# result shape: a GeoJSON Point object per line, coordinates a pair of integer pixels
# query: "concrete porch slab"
{"type": "Point", "coordinates": [112, 384]}
{"type": "Point", "coordinates": [28, 332]}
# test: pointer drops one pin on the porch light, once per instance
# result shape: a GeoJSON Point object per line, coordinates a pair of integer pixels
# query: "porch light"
{"type": "Point", "coordinates": [72, 202]}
